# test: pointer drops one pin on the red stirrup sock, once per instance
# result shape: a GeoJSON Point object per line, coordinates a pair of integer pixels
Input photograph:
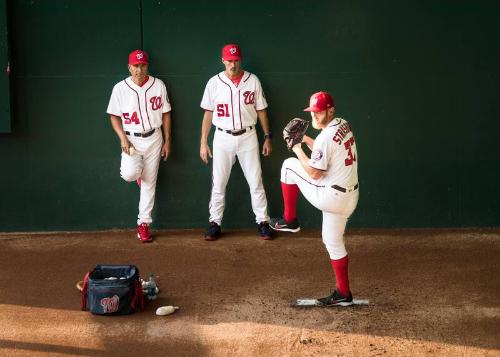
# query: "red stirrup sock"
{"type": "Point", "coordinates": [341, 270]}
{"type": "Point", "coordinates": [290, 197]}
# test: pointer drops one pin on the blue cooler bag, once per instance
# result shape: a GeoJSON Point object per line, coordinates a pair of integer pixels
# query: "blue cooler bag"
{"type": "Point", "coordinates": [112, 290]}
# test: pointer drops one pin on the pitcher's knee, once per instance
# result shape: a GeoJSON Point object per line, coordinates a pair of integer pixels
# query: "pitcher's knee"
{"type": "Point", "coordinates": [287, 163]}
{"type": "Point", "coordinates": [336, 251]}
{"type": "Point", "coordinates": [285, 169]}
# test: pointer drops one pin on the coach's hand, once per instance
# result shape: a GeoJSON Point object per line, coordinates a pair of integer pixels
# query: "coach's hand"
{"type": "Point", "coordinates": [205, 153]}
{"type": "Point", "coordinates": [125, 145]}
{"type": "Point", "coordinates": [165, 150]}
{"type": "Point", "coordinates": [267, 148]}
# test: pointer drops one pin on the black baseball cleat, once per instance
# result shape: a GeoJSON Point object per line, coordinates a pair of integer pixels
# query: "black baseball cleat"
{"type": "Point", "coordinates": [213, 232]}
{"type": "Point", "coordinates": [265, 231]}
{"type": "Point", "coordinates": [280, 224]}
{"type": "Point", "coordinates": [336, 299]}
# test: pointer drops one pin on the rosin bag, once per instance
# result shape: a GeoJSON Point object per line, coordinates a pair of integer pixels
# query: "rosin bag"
{"type": "Point", "coordinates": [112, 290]}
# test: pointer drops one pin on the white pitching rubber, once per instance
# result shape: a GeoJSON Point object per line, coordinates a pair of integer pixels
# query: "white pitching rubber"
{"type": "Point", "coordinates": [306, 302]}
{"type": "Point", "coordinates": [361, 301]}
{"type": "Point", "coordinates": [315, 302]}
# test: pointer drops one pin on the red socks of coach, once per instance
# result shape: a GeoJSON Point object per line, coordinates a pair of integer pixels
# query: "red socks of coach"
{"type": "Point", "coordinates": [341, 270]}
{"type": "Point", "coordinates": [290, 197]}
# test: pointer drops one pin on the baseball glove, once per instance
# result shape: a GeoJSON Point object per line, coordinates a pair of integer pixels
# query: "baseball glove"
{"type": "Point", "coordinates": [294, 132]}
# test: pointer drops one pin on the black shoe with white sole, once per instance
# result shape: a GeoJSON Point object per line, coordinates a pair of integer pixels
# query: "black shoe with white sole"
{"type": "Point", "coordinates": [336, 299]}
{"type": "Point", "coordinates": [280, 224]}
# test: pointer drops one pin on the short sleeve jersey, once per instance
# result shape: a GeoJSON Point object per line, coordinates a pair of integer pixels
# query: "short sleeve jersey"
{"type": "Point", "coordinates": [139, 107]}
{"type": "Point", "coordinates": [234, 107]}
{"type": "Point", "coordinates": [334, 151]}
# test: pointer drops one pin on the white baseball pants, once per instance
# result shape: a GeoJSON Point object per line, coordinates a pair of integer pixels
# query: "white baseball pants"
{"type": "Point", "coordinates": [226, 148]}
{"type": "Point", "coordinates": [144, 163]}
{"type": "Point", "coordinates": [336, 206]}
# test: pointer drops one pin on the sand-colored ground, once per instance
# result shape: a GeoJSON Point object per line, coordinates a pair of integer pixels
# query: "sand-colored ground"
{"type": "Point", "coordinates": [431, 292]}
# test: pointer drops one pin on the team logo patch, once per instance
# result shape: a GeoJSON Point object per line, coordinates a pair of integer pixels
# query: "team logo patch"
{"type": "Point", "coordinates": [317, 155]}
{"type": "Point", "coordinates": [232, 50]}
{"type": "Point", "coordinates": [314, 101]}
{"type": "Point", "coordinates": [139, 56]}
{"type": "Point", "coordinates": [249, 97]}
{"type": "Point", "coordinates": [111, 304]}
{"type": "Point", "coordinates": [335, 122]}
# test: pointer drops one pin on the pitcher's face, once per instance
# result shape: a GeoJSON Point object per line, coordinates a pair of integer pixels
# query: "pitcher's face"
{"type": "Point", "coordinates": [321, 119]}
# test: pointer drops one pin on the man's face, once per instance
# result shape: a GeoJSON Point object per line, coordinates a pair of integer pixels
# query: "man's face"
{"type": "Point", "coordinates": [321, 119]}
{"type": "Point", "coordinates": [138, 71]}
{"type": "Point", "coordinates": [233, 67]}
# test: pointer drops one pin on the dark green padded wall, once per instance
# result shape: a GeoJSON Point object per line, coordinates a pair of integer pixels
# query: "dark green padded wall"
{"type": "Point", "coordinates": [58, 166]}
{"type": "Point", "coordinates": [5, 119]}
{"type": "Point", "coordinates": [417, 80]}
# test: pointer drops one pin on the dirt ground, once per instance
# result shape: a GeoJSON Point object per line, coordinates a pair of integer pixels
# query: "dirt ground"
{"type": "Point", "coordinates": [431, 292]}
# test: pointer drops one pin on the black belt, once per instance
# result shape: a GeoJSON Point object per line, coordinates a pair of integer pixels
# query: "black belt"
{"type": "Point", "coordinates": [142, 135]}
{"type": "Point", "coordinates": [236, 133]}
{"type": "Point", "coordinates": [341, 189]}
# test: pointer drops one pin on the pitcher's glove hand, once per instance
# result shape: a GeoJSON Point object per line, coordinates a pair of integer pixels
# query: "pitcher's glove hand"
{"type": "Point", "coordinates": [294, 132]}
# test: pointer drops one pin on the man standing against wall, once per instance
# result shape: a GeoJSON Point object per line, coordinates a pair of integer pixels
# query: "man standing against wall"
{"type": "Point", "coordinates": [233, 101]}
{"type": "Point", "coordinates": [138, 108]}
{"type": "Point", "coordinates": [329, 181]}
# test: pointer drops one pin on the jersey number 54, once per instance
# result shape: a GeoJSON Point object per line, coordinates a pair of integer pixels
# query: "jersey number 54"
{"type": "Point", "coordinates": [128, 120]}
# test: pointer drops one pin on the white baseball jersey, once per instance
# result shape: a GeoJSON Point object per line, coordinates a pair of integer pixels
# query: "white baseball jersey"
{"type": "Point", "coordinates": [233, 108]}
{"type": "Point", "coordinates": [334, 151]}
{"type": "Point", "coordinates": [140, 107]}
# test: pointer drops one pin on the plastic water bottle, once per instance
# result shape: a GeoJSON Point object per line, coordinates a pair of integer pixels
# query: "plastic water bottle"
{"type": "Point", "coordinates": [151, 287]}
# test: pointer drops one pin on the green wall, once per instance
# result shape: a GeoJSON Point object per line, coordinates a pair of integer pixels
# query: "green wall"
{"type": "Point", "coordinates": [5, 119]}
{"type": "Point", "coordinates": [418, 80]}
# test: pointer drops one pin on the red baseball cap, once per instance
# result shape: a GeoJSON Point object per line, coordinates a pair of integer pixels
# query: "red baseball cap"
{"type": "Point", "coordinates": [231, 52]}
{"type": "Point", "coordinates": [137, 57]}
{"type": "Point", "coordinates": [319, 101]}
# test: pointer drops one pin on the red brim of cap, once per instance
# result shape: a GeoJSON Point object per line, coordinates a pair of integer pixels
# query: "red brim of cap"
{"type": "Point", "coordinates": [231, 58]}
{"type": "Point", "coordinates": [139, 62]}
{"type": "Point", "coordinates": [313, 109]}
